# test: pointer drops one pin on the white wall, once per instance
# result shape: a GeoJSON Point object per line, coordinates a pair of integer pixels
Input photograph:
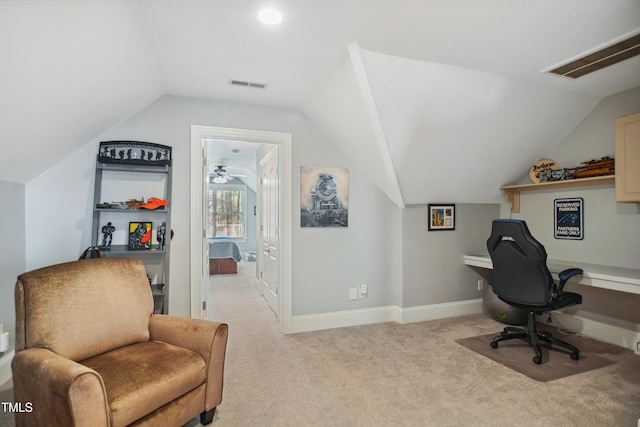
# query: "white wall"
{"type": "Point", "coordinates": [433, 267]}
{"type": "Point", "coordinates": [59, 210]}
{"type": "Point", "coordinates": [611, 230]}
{"type": "Point", "coordinates": [326, 261]}
{"type": "Point", "coordinates": [12, 250]}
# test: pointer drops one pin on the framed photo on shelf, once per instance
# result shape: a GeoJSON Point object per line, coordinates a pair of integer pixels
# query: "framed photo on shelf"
{"type": "Point", "coordinates": [139, 235]}
{"type": "Point", "coordinates": [442, 216]}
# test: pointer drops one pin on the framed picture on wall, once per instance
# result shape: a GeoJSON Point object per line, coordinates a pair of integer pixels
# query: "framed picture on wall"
{"type": "Point", "coordinates": [324, 197]}
{"type": "Point", "coordinates": [442, 216]}
{"type": "Point", "coordinates": [139, 235]}
{"type": "Point", "coordinates": [568, 218]}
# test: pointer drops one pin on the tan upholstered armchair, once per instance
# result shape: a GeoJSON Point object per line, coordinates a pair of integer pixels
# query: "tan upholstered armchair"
{"type": "Point", "coordinates": [90, 351]}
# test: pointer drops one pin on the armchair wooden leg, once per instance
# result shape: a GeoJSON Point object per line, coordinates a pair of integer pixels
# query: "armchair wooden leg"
{"type": "Point", "coordinates": [206, 417]}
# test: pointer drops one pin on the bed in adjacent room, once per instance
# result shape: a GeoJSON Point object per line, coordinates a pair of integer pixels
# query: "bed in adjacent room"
{"type": "Point", "coordinates": [224, 255]}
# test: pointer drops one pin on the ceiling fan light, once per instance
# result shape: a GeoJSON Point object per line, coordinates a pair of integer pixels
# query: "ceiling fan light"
{"type": "Point", "coordinates": [219, 180]}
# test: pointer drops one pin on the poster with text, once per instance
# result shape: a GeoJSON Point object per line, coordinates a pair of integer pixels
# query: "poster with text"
{"type": "Point", "coordinates": [569, 218]}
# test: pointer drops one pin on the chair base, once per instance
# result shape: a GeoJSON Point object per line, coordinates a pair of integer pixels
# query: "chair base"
{"type": "Point", "coordinates": [533, 337]}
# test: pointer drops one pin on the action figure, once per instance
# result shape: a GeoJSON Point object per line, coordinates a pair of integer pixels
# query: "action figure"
{"type": "Point", "coordinates": [161, 235]}
{"type": "Point", "coordinates": [107, 234]}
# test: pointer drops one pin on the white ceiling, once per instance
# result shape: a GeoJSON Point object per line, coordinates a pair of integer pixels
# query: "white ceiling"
{"type": "Point", "coordinates": [419, 94]}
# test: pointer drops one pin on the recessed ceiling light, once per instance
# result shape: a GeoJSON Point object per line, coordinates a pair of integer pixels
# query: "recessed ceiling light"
{"type": "Point", "coordinates": [270, 17]}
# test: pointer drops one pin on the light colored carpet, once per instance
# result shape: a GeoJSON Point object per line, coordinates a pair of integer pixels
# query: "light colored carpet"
{"type": "Point", "coordinates": [396, 375]}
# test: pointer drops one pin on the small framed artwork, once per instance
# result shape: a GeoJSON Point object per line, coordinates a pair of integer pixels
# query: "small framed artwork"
{"type": "Point", "coordinates": [139, 235]}
{"type": "Point", "coordinates": [568, 218]}
{"type": "Point", "coordinates": [442, 217]}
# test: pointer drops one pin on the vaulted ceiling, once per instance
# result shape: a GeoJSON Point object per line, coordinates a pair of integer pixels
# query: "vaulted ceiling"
{"type": "Point", "coordinates": [432, 99]}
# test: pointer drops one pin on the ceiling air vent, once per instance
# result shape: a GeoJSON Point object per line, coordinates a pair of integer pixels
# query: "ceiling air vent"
{"type": "Point", "coordinates": [248, 84]}
{"type": "Point", "coordinates": [600, 59]}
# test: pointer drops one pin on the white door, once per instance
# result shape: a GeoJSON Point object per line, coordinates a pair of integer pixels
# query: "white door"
{"type": "Point", "coordinates": [269, 231]}
{"type": "Point", "coordinates": [204, 290]}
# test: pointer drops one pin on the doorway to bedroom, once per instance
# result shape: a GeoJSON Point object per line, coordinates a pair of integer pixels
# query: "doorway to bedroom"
{"type": "Point", "coordinates": [241, 198]}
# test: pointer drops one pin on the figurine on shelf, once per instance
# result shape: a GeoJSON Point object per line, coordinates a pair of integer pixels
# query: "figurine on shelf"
{"type": "Point", "coordinates": [161, 235]}
{"type": "Point", "coordinates": [107, 234]}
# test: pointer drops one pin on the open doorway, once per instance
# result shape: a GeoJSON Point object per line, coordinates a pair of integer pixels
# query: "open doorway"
{"type": "Point", "coordinates": [232, 204]}
{"type": "Point", "coordinates": [230, 168]}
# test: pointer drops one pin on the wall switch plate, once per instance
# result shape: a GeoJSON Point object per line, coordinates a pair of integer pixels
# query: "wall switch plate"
{"type": "Point", "coordinates": [480, 284]}
{"type": "Point", "coordinates": [353, 293]}
{"type": "Point", "coordinates": [364, 291]}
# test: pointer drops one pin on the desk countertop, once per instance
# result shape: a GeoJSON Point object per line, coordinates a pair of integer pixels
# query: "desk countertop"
{"type": "Point", "coordinates": [600, 276]}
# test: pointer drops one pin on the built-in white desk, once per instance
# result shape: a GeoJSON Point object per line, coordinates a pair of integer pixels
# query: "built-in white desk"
{"type": "Point", "coordinates": [599, 276]}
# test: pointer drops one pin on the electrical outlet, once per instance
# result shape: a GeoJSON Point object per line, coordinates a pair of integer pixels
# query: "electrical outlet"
{"type": "Point", "coordinates": [353, 293]}
{"type": "Point", "coordinates": [364, 291]}
{"type": "Point", "coordinates": [480, 284]}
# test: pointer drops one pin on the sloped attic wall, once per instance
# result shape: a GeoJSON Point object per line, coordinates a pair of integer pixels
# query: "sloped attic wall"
{"type": "Point", "coordinates": [459, 134]}
{"type": "Point", "coordinates": [69, 70]}
{"type": "Point", "coordinates": [424, 131]}
{"type": "Point", "coordinates": [343, 107]}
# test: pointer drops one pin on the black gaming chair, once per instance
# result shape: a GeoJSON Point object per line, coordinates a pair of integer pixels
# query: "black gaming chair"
{"type": "Point", "coordinates": [521, 279]}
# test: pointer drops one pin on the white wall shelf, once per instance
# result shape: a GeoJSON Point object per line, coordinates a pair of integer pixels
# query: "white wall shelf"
{"type": "Point", "coordinates": [512, 192]}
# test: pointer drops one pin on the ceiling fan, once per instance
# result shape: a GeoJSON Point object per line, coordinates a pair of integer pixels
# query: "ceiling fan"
{"type": "Point", "coordinates": [220, 175]}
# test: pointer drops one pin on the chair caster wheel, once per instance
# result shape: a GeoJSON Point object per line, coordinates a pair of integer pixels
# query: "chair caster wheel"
{"type": "Point", "coordinates": [537, 360]}
{"type": "Point", "coordinates": [575, 356]}
{"type": "Point", "coordinates": [494, 344]}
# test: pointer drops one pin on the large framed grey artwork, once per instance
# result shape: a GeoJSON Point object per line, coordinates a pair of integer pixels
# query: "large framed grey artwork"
{"type": "Point", "coordinates": [324, 197]}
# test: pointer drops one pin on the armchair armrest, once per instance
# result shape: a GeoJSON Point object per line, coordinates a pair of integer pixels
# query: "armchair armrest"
{"type": "Point", "coordinates": [60, 391]}
{"type": "Point", "coordinates": [206, 338]}
{"type": "Point", "coordinates": [567, 274]}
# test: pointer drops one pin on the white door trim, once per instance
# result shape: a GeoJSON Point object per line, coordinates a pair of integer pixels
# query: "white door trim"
{"type": "Point", "coordinates": [198, 133]}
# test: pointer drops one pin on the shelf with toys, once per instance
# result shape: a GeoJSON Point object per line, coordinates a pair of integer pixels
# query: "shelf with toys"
{"type": "Point", "coordinates": [132, 210]}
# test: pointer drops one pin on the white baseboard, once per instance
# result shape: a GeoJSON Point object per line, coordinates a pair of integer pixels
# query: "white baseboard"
{"type": "Point", "coordinates": [441, 311]}
{"type": "Point", "coordinates": [605, 332]}
{"type": "Point", "coordinates": [341, 319]}
{"type": "Point", "coordinates": [602, 331]}
{"type": "Point", "coordinates": [5, 366]}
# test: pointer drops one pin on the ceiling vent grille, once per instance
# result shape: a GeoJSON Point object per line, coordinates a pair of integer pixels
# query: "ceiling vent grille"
{"type": "Point", "coordinates": [248, 84]}
{"type": "Point", "coordinates": [600, 59]}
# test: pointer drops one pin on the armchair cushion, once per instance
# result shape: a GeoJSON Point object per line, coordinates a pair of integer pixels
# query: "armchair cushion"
{"type": "Point", "coordinates": [163, 373]}
{"type": "Point", "coordinates": [111, 304]}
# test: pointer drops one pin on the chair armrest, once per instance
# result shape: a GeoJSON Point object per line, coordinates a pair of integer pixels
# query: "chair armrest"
{"type": "Point", "coordinates": [206, 338]}
{"type": "Point", "coordinates": [567, 274]}
{"type": "Point", "coordinates": [61, 392]}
